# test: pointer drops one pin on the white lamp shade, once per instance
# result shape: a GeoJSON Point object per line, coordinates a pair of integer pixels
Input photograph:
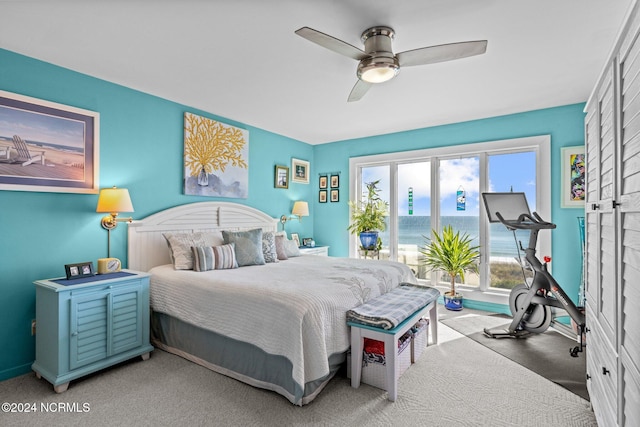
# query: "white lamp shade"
{"type": "Point", "coordinates": [114, 200]}
{"type": "Point", "coordinates": [300, 209]}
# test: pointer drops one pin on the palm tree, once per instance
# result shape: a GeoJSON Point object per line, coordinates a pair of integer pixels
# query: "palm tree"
{"type": "Point", "coordinates": [452, 253]}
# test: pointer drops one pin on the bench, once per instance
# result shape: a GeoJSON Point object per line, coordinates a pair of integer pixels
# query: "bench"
{"type": "Point", "coordinates": [380, 319]}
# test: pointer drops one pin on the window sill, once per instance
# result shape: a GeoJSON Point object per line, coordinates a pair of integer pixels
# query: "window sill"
{"type": "Point", "coordinates": [494, 300]}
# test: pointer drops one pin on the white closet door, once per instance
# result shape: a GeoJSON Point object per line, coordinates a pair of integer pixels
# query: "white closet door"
{"type": "Point", "coordinates": [629, 258]}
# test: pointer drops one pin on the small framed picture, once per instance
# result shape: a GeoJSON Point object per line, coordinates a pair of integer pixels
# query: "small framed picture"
{"type": "Point", "coordinates": [323, 182]}
{"type": "Point", "coordinates": [572, 177]}
{"type": "Point", "coordinates": [300, 170]}
{"type": "Point", "coordinates": [295, 238]}
{"type": "Point", "coordinates": [281, 177]}
{"type": "Point", "coordinates": [307, 241]}
{"type": "Point", "coordinates": [75, 271]}
{"type": "Point", "coordinates": [335, 195]}
{"type": "Point", "coordinates": [322, 196]}
{"type": "Point", "coordinates": [335, 181]}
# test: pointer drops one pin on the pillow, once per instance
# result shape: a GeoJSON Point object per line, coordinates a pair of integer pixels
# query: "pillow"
{"type": "Point", "coordinates": [282, 253]}
{"type": "Point", "coordinates": [180, 245]}
{"type": "Point", "coordinates": [214, 257]}
{"type": "Point", "coordinates": [291, 248]}
{"type": "Point", "coordinates": [269, 246]}
{"type": "Point", "coordinates": [248, 246]}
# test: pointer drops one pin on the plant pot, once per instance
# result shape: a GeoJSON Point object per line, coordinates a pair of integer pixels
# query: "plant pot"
{"type": "Point", "coordinates": [453, 303]}
{"type": "Point", "coordinates": [369, 239]}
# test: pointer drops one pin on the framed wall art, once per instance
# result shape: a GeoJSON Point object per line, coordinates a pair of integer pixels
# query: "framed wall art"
{"type": "Point", "coordinates": [335, 181]}
{"type": "Point", "coordinates": [49, 147]}
{"type": "Point", "coordinates": [572, 177]}
{"type": "Point", "coordinates": [300, 171]}
{"type": "Point", "coordinates": [281, 177]}
{"type": "Point", "coordinates": [216, 158]}
{"type": "Point", "coordinates": [322, 183]}
{"type": "Point", "coordinates": [335, 195]}
{"type": "Point", "coordinates": [322, 196]}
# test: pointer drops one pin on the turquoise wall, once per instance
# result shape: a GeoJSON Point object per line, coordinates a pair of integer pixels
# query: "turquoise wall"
{"type": "Point", "coordinates": [141, 148]}
{"type": "Point", "coordinates": [564, 124]}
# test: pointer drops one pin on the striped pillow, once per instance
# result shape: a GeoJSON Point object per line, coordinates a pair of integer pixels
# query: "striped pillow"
{"type": "Point", "coordinates": [214, 257]}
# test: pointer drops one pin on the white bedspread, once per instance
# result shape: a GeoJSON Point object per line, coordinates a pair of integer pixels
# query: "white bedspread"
{"type": "Point", "coordinates": [294, 308]}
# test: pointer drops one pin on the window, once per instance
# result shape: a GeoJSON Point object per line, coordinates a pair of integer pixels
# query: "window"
{"type": "Point", "coordinates": [436, 187]}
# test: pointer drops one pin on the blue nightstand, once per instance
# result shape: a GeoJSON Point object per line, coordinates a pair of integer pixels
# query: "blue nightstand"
{"type": "Point", "coordinates": [87, 324]}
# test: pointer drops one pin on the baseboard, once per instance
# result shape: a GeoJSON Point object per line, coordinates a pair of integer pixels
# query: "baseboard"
{"type": "Point", "coordinates": [15, 371]}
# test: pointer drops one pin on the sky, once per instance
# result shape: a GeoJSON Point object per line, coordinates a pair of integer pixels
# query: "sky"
{"type": "Point", "coordinates": [38, 127]}
{"type": "Point", "coordinates": [507, 172]}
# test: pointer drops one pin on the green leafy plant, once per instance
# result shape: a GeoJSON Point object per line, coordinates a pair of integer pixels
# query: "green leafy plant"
{"type": "Point", "coordinates": [369, 214]}
{"type": "Point", "coordinates": [452, 253]}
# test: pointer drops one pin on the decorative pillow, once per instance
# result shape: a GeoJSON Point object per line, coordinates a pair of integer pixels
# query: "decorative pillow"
{"type": "Point", "coordinates": [180, 245]}
{"type": "Point", "coordinates": [291, 248]}
{"type": "Point", "coordinates": [214, 257]}
{"type": "Point", "coordinates": [248, 246]}
{"type": "Point", "coordinates": [282, 253]}
{"type": "Point", "coordinates": [269, 247]}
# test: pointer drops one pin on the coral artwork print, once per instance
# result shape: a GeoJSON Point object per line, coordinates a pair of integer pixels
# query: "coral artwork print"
{"type": "Point", "coordinates": [216, 158]}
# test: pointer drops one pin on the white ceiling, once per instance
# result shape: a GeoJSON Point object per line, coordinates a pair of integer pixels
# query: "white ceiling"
{"type": "Point", "coordinates": [240, 59]}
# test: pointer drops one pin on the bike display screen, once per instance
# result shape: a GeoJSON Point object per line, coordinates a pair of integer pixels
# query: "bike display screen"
{"type": "Point", "coordinates": [510, 205]}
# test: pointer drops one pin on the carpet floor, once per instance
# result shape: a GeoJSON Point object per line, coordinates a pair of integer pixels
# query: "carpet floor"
{"type": "Point", "coordinates": [546, 354]}
{"type": "Point", "coordinates": [455, 383]}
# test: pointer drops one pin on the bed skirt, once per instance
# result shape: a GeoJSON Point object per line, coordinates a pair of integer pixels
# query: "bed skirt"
{"type": "Point", "coordinates": [236, 359]}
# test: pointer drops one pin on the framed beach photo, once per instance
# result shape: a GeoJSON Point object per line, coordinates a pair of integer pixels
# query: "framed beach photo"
{"type": "Point", "coordinates": [572, 177]}
{"type": "Point", "coordinates": [300, 171]}
{"type": "Point", "coordinates": [48, 147]}
{"type": "Point", "coordinates": [281, 177]}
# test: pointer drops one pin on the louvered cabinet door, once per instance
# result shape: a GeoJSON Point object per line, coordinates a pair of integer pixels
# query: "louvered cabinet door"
{"type": "Point", "coordinates": [126, 322]}
{"type": "Point", "coordinates": [629, 230]}
{"type": "Point", "coordinates": [601, 241]}
{"type": "Point", "coordinates": [601, 287]}
{"type": "Point", "coordinates": [89, 329]}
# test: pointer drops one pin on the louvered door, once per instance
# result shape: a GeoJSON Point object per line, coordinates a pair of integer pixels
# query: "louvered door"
{"type": "Point", "coordinates": [629, 230]}
{"type": "Point", "coordinates": [103, 324]}
{"type": "Point", "coordinates": [601, 242]}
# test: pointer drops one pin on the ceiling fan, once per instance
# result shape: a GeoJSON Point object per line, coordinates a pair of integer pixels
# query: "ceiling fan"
{"type": "Point", "coordinates": [379, 64]}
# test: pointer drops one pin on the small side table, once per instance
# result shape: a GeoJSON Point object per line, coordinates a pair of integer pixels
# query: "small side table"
{"type": "Point", "coordinates": [369, 253]}
{"type": "Point", "coordinates": [316, 250]}
{"type": "Point", "coordinates": [85, 325]}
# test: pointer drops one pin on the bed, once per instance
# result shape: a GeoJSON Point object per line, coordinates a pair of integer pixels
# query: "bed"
{"type": "Point", "coordinates": [280, 325]}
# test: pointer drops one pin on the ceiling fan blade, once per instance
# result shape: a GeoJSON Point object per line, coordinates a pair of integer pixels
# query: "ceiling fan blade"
{"type": "Point", "coordinates": [331, 43]}
{"type": "Point", "coordinates": [441, 53]}
{"type": "Point", "coordinates": [359, 89]}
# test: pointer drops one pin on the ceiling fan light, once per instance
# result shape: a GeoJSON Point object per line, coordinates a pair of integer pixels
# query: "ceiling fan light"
{"type": "Point", "coordinates": [372, 71]}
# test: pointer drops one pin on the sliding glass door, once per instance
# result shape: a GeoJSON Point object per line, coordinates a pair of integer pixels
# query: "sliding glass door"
{"type": "Point", "coordinates": [430, 189]}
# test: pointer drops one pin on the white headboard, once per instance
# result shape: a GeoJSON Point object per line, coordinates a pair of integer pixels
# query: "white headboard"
{"type": "Point", "coordinates": [147, 247]}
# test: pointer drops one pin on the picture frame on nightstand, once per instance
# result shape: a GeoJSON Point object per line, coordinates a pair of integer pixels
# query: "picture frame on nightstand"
{"type": "Point", "coordinates": [76, 271]}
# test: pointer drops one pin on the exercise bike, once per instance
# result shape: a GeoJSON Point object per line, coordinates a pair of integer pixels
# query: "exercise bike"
{"type": "Point", "coordinates": [530, 304]}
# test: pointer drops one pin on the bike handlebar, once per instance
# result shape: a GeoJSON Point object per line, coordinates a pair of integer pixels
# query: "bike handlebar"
{"type": "Point", "coordinates": [526, 222]}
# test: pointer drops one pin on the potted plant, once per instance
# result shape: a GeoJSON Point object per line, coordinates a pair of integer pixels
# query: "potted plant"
{"type": "Point", "coordinates": [367, 217]}
{"type": "Point", "coordinates": [452, 253]}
